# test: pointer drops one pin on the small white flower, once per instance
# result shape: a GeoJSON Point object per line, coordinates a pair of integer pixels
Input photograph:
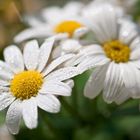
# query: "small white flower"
{"type": "Point", "coordinates": [62, 22]}
{"type": "Point", "coordinates": [32, 80]}
{"type": "Point", "coordinates": [115, 58]}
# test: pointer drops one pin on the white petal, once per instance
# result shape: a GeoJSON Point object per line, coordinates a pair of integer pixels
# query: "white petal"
{"type": "Point", "coordinates": [56, 52]}
{"type": "Point", "coordinates": [4, 83]}
{"type": "Point", "coordinates": [45, 52]}
{"type": "Point", "coordinates": [48, 103]}
{"type": "Point", "coordinates": [56, 88]}
{"type": "Point", "coordinates": [29, 113]}
{"type": "Point", "coordinates": [84, 52]}
{"type": "Point", "coordinates": [135, 54]}
{"type": "Point", "coordinates": [5, 67]}
{"type": "Point", "coordinates": [70, 83]}
{"type": "Point", "coordinates": [92, 62]}
{"type": "Point", "coordinates": [130, 78]}
{"type": "Point", "coordinates": [135, 43]}
{"type": "Point", "coordinates": [13, 117]}
{"type": "Point", "coordinates": [123, 96]}
{"type": "Point", "coordinates": [115, 3]}
{"type": "Point", "coordinates": [137, 86]}
{"type": "Point", "coordinates": [5, 76]}
{"type": "Point", "coordinates": [110, 25]}
{"type": "Point", "coordinates": [92, 49]}
{"type": "Point", "coordinates": [4, 89]}
{"type": "Point", "coordinates": [95, 83]}
{"type": "Point", "coordinates": [13, 57]}
{"type": "Point", "coordinates": [80, 32]}
{"type": "Point", "coordinates": [113, 82]}
{"type": "Point", "coordinates": [136, 63]}
{"type": "Point", "coordinates": [42, 31]}
{"type": "Point", "coordinates": [33, 21]}
{"type": "Point", "coordinates": [75, 60]}
{"type": "Point", "coordinates": [61, 36]}
{"type": "Point", "coordinates": [63, 74]}
{"type": "Point", "coordinates": [6, 98]}
{"type": "Point", "coordinates": [57, 62]}
{"type": "Point", "coordinates": [50, 12]}
{"type": "Point", "coordinates": [70, 46]}
{"type": "Point", "coordinates": [74, 7]}
{"type": "Point", "coordinates": [31, 53]}
{"type": "Point", "coordinates": [127, 32]}
{"type": "Point", "coordinates": [6, 73]}
{"type": "Point", "coordinates": [103, 24]}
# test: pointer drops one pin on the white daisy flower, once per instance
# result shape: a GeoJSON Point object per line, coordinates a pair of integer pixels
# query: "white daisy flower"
{"type": "Point", "coordinates": [115, 57]}
{"type": "Point", "coordinates": [31, 80]}
{"type": "Point", "coordinates": [62, 22]}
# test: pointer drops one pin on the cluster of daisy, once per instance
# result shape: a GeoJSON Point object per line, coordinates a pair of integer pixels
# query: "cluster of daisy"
{"type": "Point", "coordinates": [99, 36]}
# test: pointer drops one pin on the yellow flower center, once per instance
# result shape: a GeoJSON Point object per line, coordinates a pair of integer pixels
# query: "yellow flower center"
{"type": "Point", "coordinates": [117, 51]}
{"type": "Point", "coordinates": [26, 84]}
{"type": "Point", "coordinates": [67, 27]}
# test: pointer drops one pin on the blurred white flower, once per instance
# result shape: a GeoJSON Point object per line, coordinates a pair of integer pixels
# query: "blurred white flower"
{"type": "Point", "coordinates": [32, 80]}
{"type": "Point", "coordinates": [115, 58]}
{"type": "Point", "coordinates": [62, 22]}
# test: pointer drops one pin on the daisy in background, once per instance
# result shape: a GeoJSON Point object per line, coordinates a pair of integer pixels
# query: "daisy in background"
{"type": "Point", "coordinates": [115, 57]}
{"type": "Point", "coordinates": [32, 80]}
{"type": "Point", "coordinates": [63, 22]}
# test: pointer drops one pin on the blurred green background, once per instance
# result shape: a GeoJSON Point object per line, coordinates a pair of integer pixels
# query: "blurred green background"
{"type": "Point", "coordinates": [80, 118]}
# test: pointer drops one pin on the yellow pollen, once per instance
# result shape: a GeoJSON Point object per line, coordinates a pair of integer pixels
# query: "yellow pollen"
{"type": "Point", "coordinates": [67, 27]}
{"type": "Point", "coordinates": [26, 84]}
{"type": "Point", "coordinates": [117, 51]}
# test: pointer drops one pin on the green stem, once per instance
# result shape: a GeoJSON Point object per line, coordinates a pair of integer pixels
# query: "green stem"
{"type": "Point", "coordinates": [71, 110]}
{"type": "Point", "coordinates": [128, 111]}
{"type": "Point", "coordinates": [74, 97]}
{"type": "Point", "coordinates": [50, 126]}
